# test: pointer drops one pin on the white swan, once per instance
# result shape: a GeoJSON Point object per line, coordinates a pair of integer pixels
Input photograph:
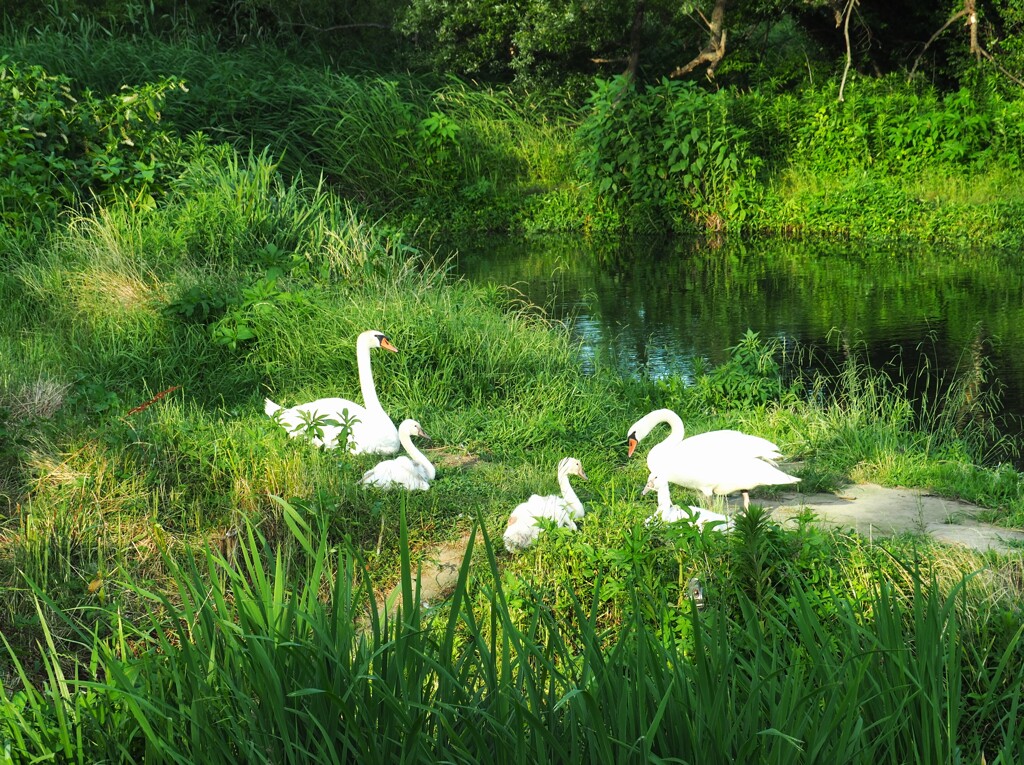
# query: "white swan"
{"type": "Point", "coordinates": [414, 472]}
{"type": "Point", "coordinates": [717, 462]}
{"type": "Point", "coordinates": [373, 432]}
{"type": "Point", "coordinates": [715, 472]}
{"type": "Point", "coordinates": [670, 513]}
{"type": "Point", "coordinates": [563, 509]}
{"type": "Point", "coordinates": [732, 441]}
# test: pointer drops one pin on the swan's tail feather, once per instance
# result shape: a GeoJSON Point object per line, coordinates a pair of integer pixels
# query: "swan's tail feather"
{"type": "Point", "coordinates": [270, 408]}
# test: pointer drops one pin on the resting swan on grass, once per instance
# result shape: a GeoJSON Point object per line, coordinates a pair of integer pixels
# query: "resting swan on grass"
{"type": "Point", "coordinates": [413, 472]}
{"type": "Point", "coordinates": [373, 432]}
{"type": "Point", "coordinates": [563, 509]}
{"type": "Point", "coordinates": [670, 513]}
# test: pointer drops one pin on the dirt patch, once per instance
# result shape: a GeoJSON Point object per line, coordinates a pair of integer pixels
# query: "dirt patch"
{"type": "Point", "coordinates": [444, 458]}
{"type": "Point", "coordinates": [873, 510]}
{"type": "Point", "coordinates": [439, 571]}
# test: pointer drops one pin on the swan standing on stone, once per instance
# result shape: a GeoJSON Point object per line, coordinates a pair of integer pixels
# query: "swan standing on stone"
{"type": "Point", "coordinates": [670, 513]}
{"type": "Point", "coordinates": [717, 462]}
{"type": "Point", "coordinates": [413, 472]}
{"type": "Point", "coordinates": [373, 432]}
{"type": "Point", "coordinates": [563, 509]}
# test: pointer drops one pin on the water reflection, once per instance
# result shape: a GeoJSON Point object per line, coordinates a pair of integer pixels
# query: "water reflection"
{"type": "Point", "coordinates": [658, 307]}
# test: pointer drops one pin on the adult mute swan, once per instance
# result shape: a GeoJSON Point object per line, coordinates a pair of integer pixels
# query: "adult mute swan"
{"type": "Point", "coordinates": [733, 441]}
{"type": "Point", "coordinates": [670, 513]}
{"type": "Point", "coordinates": [373, 432]}
{"type": "Point", "coordinates": [413, 472]}
{"type": "Point", "coordinates": [716, 462]}
{"type": "Point", "coordinates": [563, 509]}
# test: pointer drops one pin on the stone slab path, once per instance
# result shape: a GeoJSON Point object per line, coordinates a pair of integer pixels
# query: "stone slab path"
{"type": "Point", "coordinates": [874, 510]}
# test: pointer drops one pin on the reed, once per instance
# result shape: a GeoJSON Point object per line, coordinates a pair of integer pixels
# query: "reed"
{"type": "Point", "coordinates": [279, 655]}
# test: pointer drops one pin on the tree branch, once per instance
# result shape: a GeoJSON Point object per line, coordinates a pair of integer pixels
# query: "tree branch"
{"type": "Point", "coordinates": [336, 27]}
{"type": "Point", "coordinates": [958, 15]}
{"type": "Point", "coordinates": [969, 10]}
{"type": "Point", "coordinates": [714, 51]}
{"type": "Point", "coordinates": [982, 52]}
{"type": "Point", "coordinates": [847, 13]}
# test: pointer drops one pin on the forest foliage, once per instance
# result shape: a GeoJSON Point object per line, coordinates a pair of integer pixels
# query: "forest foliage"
{"type": "Point", "coordinates": [580, 120]}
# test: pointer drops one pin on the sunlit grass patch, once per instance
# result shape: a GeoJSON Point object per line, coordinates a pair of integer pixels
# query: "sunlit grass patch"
{"type": "Point", "coordinates": [510, 660]}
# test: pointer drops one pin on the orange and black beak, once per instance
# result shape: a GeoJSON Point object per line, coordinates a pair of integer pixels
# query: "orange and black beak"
{"type": "Point", "coordinates": [631, 443]}
{"type": "Point", "coordinates": [385, 342]}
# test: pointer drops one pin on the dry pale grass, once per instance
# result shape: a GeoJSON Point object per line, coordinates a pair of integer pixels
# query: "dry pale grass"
{"type": "Point", "coordinates": [103, 296]}
{"type": "Point", "coordinates": [37, 400]}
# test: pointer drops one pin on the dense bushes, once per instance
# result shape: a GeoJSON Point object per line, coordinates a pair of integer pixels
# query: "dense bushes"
{"type": "Point", "coordinates": [680, 155]}
{"type": "Point", "coordinates": [890, 126]}
{"type": "Point", "coordinates": [892, 159]}
{"type": "Point", "coordinates": [670, 151]}
{"type": "Point", "coordinates": [60, 145]}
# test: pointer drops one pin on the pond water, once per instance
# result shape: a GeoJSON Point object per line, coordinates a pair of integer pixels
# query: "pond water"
{"type": "Point", "coordinates": [658, 307]}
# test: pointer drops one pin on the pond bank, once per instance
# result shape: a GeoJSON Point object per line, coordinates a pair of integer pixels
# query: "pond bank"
{"type": "Point", "coordinates": [867, 509]}
{"type": "Point", "coordinates": [873, 510]}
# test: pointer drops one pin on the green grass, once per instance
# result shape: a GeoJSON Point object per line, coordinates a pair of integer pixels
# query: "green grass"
{"type": "Point", "coordinates": [129, 638]}
{"type": "Point", "coordinates": [269, 657]}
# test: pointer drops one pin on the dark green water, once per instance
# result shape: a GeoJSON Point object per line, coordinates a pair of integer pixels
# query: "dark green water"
{"type": "Point", "coordinates": [654, 306]}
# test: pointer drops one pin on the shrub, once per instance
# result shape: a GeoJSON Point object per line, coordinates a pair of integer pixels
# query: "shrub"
{"type": "Point", "coordinates": [57, 148]}
{"type": "Point", "coordinates": [671, 149]}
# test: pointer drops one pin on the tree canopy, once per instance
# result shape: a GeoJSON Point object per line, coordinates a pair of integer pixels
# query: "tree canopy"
{"type": "Point", "coordinates": [742, 42]}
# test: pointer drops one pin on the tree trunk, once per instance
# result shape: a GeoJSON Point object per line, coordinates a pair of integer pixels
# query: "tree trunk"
{"type": "Point", "coordinates": [634, 41]}
{"type": "Point", "coordinates": [714, 51]}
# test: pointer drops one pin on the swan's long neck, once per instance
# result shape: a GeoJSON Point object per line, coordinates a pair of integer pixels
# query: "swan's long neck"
{"type": "Point", "coordinates": [648, 422]}
{"type": "Point", "coordinates": [417, 456]}
{"type": "Point", "coordinates": [370, 400]}
{"type": "Point", "coordinates": [675, 422]}
{"type": "Point", "coordinates": [568, 493]}
{"type": "Point", "coordinates": [664, 495]}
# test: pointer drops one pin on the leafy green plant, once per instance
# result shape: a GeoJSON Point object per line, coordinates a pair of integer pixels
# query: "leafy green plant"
{"type": "Point", "coordinates": [199, 305]}
{"type": "Point", "coordinates": [750, 378]}
{"type": "Point", "coordinates": [670, 149]}
{"type": "Point", "coordinates": [57, 148]}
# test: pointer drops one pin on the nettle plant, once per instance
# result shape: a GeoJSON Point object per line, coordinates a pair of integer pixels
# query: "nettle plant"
{"type": "Point", "coordinates": [58, 147]}
{"type": "Point", "coordinates": [671, 147]}
{"type": "Point", "coordinates": [232, 317]}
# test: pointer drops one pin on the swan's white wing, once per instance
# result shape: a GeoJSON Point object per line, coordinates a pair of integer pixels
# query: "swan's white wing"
{"type": "Point", "coordinates": [746, 474]}
{"type": "Point", "coordinates": [716, 444]}
{"type": "Point", "coordinates": [520, 535]}
{"type": "Point", "coordinates": [399, 473]}
{"type": "Point", "coordinates": [552, 507]}
{"type": "Point", "coordinates": [715, 469]}
{"type": "Point", "coordinates": [522, 527]}
{"type": "Point", "coordinates": [717, 521]}
{"type": "Point", "coordinates": [736, 444]}
{"type": "Point", "coordinates": [372, 432]}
